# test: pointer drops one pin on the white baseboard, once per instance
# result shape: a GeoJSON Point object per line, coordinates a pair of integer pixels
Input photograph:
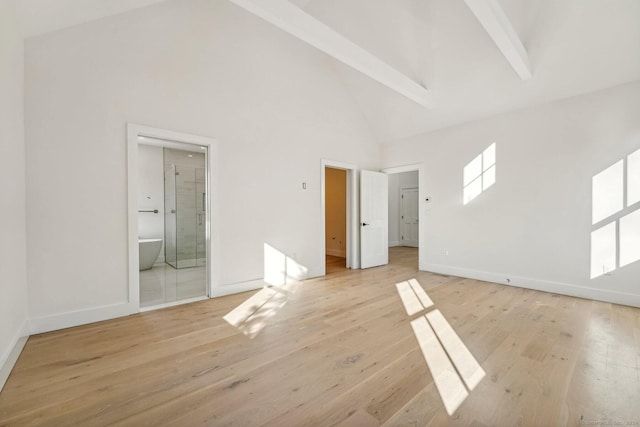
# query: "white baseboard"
{"type": "Point", "coordinates": [394, 243]}
{"type": "Point", "coordinates": [81, 317]}
{"type": "Point", "coordinates": [98, 314]}
{"type": "Point", "coordinates": [9, 358]}
{"type": "Point", "coordinates": [336, 252]}
{"type": "Point", "coordinates": [615, 297]}
{"type": "Point", "coordinates": [236, 288]}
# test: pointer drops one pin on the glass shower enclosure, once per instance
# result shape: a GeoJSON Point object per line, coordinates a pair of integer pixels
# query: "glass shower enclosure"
{"type": "Point", "coordinates": [185, 216]}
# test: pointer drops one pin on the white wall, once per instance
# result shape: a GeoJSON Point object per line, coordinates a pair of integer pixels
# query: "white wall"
{"type": "Point", "coordinates": [13, 285]}
{"type": "Point", "coordinates": [533, 226]}
{"type": "Point", "coordinates": [197, 66]}
{"type": "Point", "coordinates": [151, 193]}
{"type": "Point", "coordinates": [397, 182]}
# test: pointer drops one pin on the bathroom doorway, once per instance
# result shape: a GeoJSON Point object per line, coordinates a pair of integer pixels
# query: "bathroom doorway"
{"type": "Point", "coordinates": [172, 224]}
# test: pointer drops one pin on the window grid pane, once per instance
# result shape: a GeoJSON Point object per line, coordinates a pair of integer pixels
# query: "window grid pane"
{"type": "Point", "coordinates": [472, 190]}
{"type": "Point", "coordinates": [489, 157]}
{"type": "Point", "coordinates": [607, 192]}
{"type": "Point", "coordinates": [472, 170]}
{"type": "Point", "coordinates": [489, 177]}
{"type": "Point", "coordinates": [633, 178]}
{"type": "Point", "coordinates": [630, 238]}
{"type": "Point", "coordinates": [603, 250]}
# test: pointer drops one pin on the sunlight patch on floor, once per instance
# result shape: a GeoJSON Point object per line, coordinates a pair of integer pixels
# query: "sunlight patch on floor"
{"type": "Point", "coordinates": [420, 293]}
{"type": "Point", "coordinates": [448, 383]}
{"type": "Point", "coordinates": [409, 299]}
{"type": "Point", "coordinates": [285, 274]}
{"type": "Point", "coordinates": [252, 316]}
{"type": "Point", "coordinates": [467, 366]}
{"type": "Point", "coordinates": [413, 297]}
{"type": "Point", "coordinates": [450, 362]}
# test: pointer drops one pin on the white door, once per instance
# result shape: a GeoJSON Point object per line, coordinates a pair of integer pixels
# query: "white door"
{"type": "Point", "coordinates": [374, 214]}
{"type": "Point", "coordinates": [409, 217]}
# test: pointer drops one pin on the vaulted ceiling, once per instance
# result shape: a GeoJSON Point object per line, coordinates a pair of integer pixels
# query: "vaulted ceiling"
{"type": "Point", "coordinates": [573, 47]}
{"type": "Point", "coordinates": [43, 16]}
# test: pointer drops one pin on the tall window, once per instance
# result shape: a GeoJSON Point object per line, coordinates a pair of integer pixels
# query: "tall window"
{"type": "Point", "coordinates": [615, 237]}
{"type": "Point", "coordinates": [479, 174]}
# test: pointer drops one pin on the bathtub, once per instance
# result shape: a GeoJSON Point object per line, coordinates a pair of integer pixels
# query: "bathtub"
{"type": "Point", "coordinates": [149, 251]}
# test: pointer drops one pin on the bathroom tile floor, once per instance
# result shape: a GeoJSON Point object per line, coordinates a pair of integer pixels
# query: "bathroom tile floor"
{"type": "Point", "coordinates": [163, 284]}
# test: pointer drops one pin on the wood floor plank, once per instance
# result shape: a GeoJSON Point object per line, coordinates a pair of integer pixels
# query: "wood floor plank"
{"type": "Point", "coordinates": [337, 350]}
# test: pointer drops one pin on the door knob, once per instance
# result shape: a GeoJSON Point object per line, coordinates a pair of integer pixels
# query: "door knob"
{"type": "Point", "coordinates": [364, 223]}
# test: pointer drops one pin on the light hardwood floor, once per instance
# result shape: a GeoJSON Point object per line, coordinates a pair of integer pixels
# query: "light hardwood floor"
{"type": "Point", "coordinates": [335, 264]}
{"type": "Point", "coordinates": [337, 350]}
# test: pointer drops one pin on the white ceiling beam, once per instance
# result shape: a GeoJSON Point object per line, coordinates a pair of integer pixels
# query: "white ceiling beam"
{"type": "Point", "coordinates": [300, 24]}
{"type": "Point", "coordinates": [495, 22]}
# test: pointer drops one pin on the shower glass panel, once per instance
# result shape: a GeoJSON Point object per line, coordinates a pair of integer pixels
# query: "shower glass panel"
{"type": "Point", "coordinates": [170, 217]}
{"type": "Point", "coordinates": [185, 222]}
{"type": "Point", "coordinates": [201, 224]}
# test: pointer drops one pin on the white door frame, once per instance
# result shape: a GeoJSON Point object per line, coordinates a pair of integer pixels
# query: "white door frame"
{"type": "Point", "coordinates": [163, 138]}
{"type": "Point", "coordinates": [422, 204]}
{"type": "Point", "coordinates": [353, 230]}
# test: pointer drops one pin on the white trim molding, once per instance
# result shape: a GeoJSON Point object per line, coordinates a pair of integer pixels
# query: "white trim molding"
{"type": "Point", "coordinates": [340, 253]}
{"type": "Point", "coordinates": [81, 317]}
{"type": "Point", "coordinates": [10, 356]}
{"type": "Point", "coordinates": [300, 24]}
{"type": "Point", "coordinates": [495, 22]}
{"type": "Point", "coordinates": [568, 289]}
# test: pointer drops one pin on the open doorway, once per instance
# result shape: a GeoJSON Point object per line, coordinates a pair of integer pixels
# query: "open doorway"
{"type": "Point", "coordinates": [171, 227]}
{"type": "Point", "coordinates": [335, 219]}
{"type": "Point", "coordinates": [171, 222]}
{"type": "Point", "coordinates": [403, 209]}
{"type": "Point", "coordinates": [404, 215]}
{"type": "Point", "coordinates": [339, 217]}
